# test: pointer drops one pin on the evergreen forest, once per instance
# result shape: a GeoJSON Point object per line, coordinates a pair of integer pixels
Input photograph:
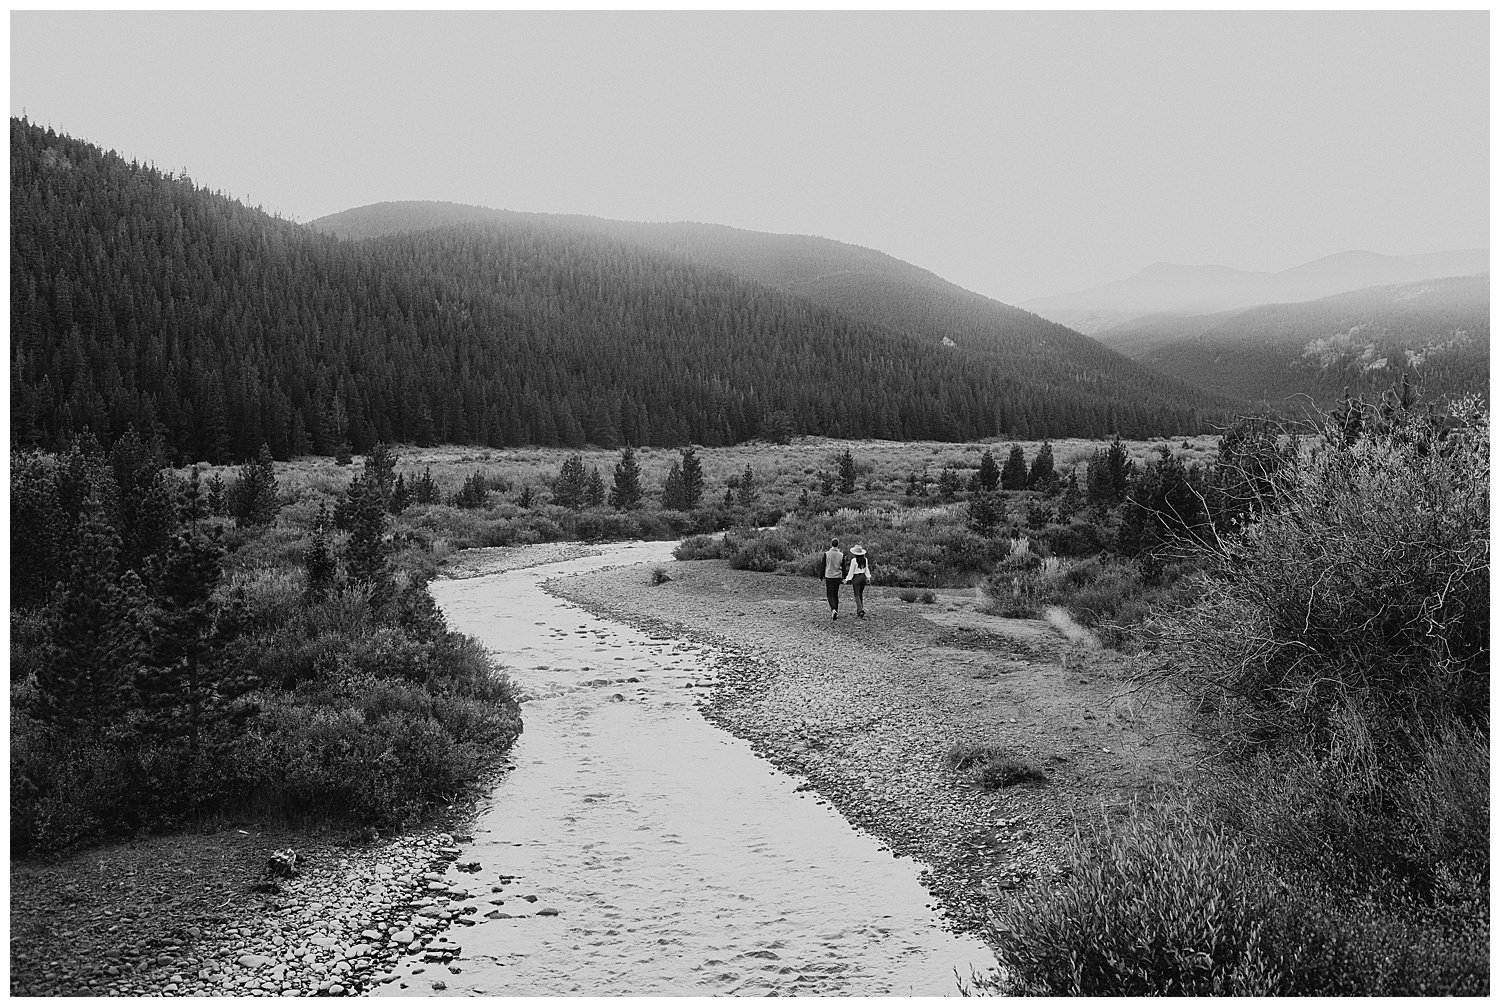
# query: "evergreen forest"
{"type": "Point", "coordinates": [140, 299]}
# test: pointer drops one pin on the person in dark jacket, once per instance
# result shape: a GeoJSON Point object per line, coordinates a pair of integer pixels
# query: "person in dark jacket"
{"type": "Point", "coordinates": [833, 575]}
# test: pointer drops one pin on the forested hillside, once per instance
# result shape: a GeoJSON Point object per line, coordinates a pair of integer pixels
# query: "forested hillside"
{"type": "Point", "coordinates": [1055, 379]}
{"type": "Point", "coordinates": [1438, 330]}
{"type": "Point", "coordinates": [140, 299]}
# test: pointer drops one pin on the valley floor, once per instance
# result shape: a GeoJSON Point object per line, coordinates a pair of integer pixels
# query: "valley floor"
{"type": "Point", "coordinates": [866, 709]}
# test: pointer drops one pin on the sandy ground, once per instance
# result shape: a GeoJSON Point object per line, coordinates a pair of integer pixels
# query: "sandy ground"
{"type": "Point", "coordinates": [866, 710]}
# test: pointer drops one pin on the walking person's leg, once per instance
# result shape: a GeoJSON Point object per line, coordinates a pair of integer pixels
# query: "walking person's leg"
{"type": "Point", "coordinates": [859, 597]}
{"type": "Point", "coordinates": [833, 594]}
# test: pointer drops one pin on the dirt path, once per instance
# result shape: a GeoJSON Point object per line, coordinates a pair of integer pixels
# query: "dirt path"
{"type": "Point", "coordinates": [866, 710]}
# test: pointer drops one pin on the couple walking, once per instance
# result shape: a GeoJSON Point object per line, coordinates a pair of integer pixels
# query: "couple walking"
{"type": "Point", "coordinates": [839, 570]}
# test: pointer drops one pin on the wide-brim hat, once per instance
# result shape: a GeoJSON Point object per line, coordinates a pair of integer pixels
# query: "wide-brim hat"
{"type": "Point", "coordinates": [858, 550]}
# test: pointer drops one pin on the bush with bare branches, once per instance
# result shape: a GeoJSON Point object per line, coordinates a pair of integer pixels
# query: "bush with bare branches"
{"type": "Point", "coordinates": [1354, 614]}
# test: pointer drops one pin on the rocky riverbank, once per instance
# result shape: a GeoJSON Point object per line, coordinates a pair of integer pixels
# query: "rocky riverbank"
{"type": "Point", "coordinates": [866, 710]}
{"type": "Point", "coordinates": [201, 915]}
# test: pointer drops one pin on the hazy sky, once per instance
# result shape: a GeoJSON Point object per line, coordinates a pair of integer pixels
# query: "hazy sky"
{"type": "Point", "coordinates": [1016, 154]}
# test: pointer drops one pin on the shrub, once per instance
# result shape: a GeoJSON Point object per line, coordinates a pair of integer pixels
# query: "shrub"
{"type": "Point", "coordinates": [395, 730]}
{"type": "Point", "coordinates": [1341, 816]}
{"type": "Point", "coordinates": [1076, 538]}
{"type": "Point", "coordinates": [1173, 903]}
{"type": "Point", "coordinates": [607, 527]}
{"type": "Point", "coordinates": [1366, 587]}
{"type": "Point", "coordinates": [763, 553]}
{"type": "Point", "coordinates": [700, 547]}
{"type": "Point", "coordinates": [908, 594]}
{"type": "Point", "coordinates": [659, 577]}
{"type": "Point", "coordinates": [1152, 907]}
{"type": "Point", "coordinates": [991, 766]}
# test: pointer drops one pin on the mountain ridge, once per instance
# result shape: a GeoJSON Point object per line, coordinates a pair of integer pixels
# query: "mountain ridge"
{"type": "Point", "coordinates": [1170, 288]}
{"type": "Point", "coordinates": [1358, 340]}
{"type": "Point", "coordinates": [866, 285]}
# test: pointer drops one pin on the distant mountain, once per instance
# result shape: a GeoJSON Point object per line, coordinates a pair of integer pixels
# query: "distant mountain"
{"type": "Point", "coordinates": [1050, 372]}
{"type": "Point", "coordinates": [1438, 330]}
{"type": "Point", "coordinates": [1196, 290]}
{"type": "Point", "coordinates": [139, 299]}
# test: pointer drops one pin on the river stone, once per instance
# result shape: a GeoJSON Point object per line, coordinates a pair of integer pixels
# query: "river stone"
{"type": "Point", "coordinates": [547, 912]}
{"type": "Point", "coordinates": [403, 937]}
{"type": "Point", "coordinates": [252, 961]}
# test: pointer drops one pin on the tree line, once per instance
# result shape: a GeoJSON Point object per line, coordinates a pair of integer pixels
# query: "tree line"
{"type": "Point", "coordinates": [142, 300]}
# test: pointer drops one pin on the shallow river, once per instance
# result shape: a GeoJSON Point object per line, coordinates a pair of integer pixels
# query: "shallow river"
{"type": "Point", "coordinates": [679, 862]}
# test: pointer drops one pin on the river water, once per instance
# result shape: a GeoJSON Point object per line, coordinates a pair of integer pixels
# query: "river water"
{"type": "Point", "coordinates": [678, 861]}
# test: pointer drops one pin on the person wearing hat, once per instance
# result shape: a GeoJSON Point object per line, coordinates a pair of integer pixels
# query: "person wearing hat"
{"type": "Point", "coordinates": [858, 576]}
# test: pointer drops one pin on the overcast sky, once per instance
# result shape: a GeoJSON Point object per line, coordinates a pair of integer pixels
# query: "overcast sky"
{"type": "Point", "coordinates": [1018, 155]}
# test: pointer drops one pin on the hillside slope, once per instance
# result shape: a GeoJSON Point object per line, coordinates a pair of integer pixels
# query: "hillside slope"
{"type": "Point", "coordinates": [1436, 329]}
{"type": "Point", "coordinates": [1052, 370]}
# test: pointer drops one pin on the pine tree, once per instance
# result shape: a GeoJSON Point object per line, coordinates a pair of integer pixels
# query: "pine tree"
{"type": "Point", "coordinates": [626, 494]}
{"type": "Point", "coordinates": [145, 505]}
{"type": "Point", "coordinates": [400, 495]}
{"type": "Point", "coordinates": [426, 491]}
{"type": "Point", "coordinates": [36, 531]}
{"type": "Point", "coordinates": [1100, 489]}
{"type": "Point", "coordinates": [367, 555]}
{"type": "Point", "coordinates": [692, 479]}
{"type": "Point", "coordinates": [989, 471]}
{"type": "Point", "coordinates": [846, 473]}
{"type": "Point", "coordinates": [1072, 499]}
{"type": "Point", "coordinates": [218, 496]}
{"type": "Point", "coordinates": [192, 501]}
{"type": "Point", "coordinates": [97, 638]}
{"type": "Point", "coordinates": [571, 484]}
{"type": "Point", "coordinates": [593, 492]}
{"type": "Point", "coordinates": [1165, 508]}
{"type": "Point", "coordinates": [526, 499]}
{"type": "Point", "coordinates": [1042, 474]}
{"type": "Point", "coordinates": [187, 693]}
{"type": "Point", "coordinates": [1118, 468]}
{"type": "Point", "coordinates": [474, 493]}
{"type": "Point", "coordinates": [747, 493]}
{"type": "Point", "coordinates": [380, 467]}
{"type": "Point", "coordinates": [322, 567]}
{"type": "Point", "coordinates": [252, 499]}
{"type": "Point", "coordinates": [1013, 476]}
{"type": "Point", "coordinates": [986, 512]}
{"type": "Point", "coordinates": [673, 493]}
{"type": "Point", "coordinates": [947, 483]}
